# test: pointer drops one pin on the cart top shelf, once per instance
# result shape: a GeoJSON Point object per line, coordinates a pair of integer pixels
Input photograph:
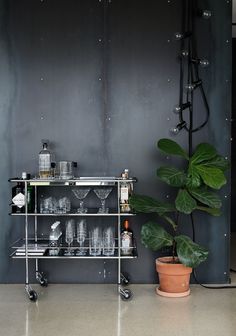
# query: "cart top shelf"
{"type": "Point", "coordinates": [77, 181]}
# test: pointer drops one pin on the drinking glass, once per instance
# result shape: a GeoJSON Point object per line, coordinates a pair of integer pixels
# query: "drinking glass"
{"type": "Point", "coordinates": [69, 235]}
{"type": "Point", "coordinates": [47, 205]}
{"type": "Point", "coordinates": [102, 194]}
{"type": "Point", "coordinates": [81, 236]}
{"type": "Point", "coordinates": [95, 242]}
{"type": "Point", "coordinates": [63, 205]}
{"type": "Point", "coordinates": [81, 193]}
{"type": "Point", "coordinates": [108, 241]}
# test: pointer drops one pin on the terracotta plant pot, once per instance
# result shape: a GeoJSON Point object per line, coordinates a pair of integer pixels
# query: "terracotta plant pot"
{"type": "Point", "coordinates": [174, 278]}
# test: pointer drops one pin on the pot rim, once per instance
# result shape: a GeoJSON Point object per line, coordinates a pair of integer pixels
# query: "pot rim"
{"type": "Point", "coordinates": [160, 261]}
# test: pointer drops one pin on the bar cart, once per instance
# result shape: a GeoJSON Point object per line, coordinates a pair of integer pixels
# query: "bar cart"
{"type": "Point", "coordinates": [43, 247]}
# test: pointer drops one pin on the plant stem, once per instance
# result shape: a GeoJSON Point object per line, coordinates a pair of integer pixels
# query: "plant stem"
{"type": "Point", "coordinates": [173, 250]}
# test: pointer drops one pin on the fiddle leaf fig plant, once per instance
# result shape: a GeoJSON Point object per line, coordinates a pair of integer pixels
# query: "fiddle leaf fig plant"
{"type": "Point", "coordinates": [195, 187]}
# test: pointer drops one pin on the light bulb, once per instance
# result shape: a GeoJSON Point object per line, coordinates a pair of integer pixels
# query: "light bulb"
{"type": "Point", "coordinates": [192, 86]}
{"type": "Point", "coordinates": [175, 130]}
{"type": "Point", "coordinates": [202, 62]}
{"type": "Point", "coordinates": [179, 108]}
{"type": "Point", "coordinates": [185, 53]}
{"type": "Point", "coordinates": [206, 14]}
{"type": "Point", "coordinates": [180, 36]}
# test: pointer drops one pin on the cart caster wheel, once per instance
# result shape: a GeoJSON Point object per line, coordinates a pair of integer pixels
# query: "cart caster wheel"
{"type": "Point", "coordinates": [126, 295]}
{"type": "Point", "coordinates": [125, 279]}
{"type": "Point", "coordinates": [44, 282]}
{"type": "Point", "coordinates": [33, 296]}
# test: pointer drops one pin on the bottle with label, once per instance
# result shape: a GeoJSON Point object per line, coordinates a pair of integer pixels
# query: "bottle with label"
{"type": "Point", "coordinates": [125, 192]}
{"type": "Point", "coordinates": [126, 240]}
{"type": "Point", "coordinates": [17, 189]}
{"type": "Point", "coordinates": [45, 159]}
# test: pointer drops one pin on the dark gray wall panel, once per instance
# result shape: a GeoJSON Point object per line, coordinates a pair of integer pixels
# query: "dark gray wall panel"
{"type": "Point", "coordinates": [105, 103]}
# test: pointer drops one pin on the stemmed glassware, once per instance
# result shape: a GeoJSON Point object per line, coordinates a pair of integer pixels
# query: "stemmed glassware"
{"type": "Point", "coordinates": [81, 236]}
{"type": "Point", "coordinates": [81, 193]}
{"type": "Point", "coordinates": [70, 225]}
{"type": "Point", "coordinates": [102, 194]}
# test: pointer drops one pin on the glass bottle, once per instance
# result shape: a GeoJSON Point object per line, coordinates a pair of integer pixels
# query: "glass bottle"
{"type": "Point", "coordinates": [125, 192]}
{"type": "Point", "coordinates": [126, 239]}
{"type": "Point", "coordinates": [45, 159]}
{"type": "Point", "coordinates": [19, 188]}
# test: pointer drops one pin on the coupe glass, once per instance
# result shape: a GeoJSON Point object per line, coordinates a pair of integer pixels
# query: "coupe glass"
{"type": "Point", "coordinates": [102, 194]}
{"type": "Point", "coordinates": [81, 193]}
{"type": "Point", "coordinates": [81, 236]}
{"type": "Point", "coordinates": [69, 235]}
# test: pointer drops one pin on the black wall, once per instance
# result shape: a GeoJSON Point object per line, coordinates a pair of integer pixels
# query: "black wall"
{"type": "Point", "coordinates": [100, 79]}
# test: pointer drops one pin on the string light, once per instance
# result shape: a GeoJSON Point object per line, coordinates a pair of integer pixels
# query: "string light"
{"type": "Point", "coordinates": [205, 14]}
{"type": "Point", "coordinates": [180, 36]}
{"type": "Point", "coordinates": [180, 108]}
{"type": "Point", "coordinates": [185, 53]}
{"type": "Point", "coordinates": [175, 130]}
{"type": "Point", "coordinates": [192, 86]}
{"type": "Point", "coordinates": [202, 62]}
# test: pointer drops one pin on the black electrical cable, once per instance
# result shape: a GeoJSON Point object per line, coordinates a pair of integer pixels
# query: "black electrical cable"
{"type": "Point", "coordinates": [193, 75]}
{"type": "Point", "coordinates": [188, 11]}
{"type": "Point", "coordinates": [194, 270]}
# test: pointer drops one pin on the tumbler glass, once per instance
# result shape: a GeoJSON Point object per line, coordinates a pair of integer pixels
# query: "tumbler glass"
{"type": "Point", "coordinates": [108, 241]}
{"type": "Point", "coordinates": [95, 242]}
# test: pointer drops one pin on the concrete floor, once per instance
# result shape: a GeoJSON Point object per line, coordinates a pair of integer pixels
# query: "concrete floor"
{"type": "Point", "coordinates": [96, 310]}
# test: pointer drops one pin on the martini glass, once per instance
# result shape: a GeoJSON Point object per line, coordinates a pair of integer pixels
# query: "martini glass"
{"type": "Point", "coordinates": [81, 194]}
{"type": "Point", "coordinates": [102, 194]}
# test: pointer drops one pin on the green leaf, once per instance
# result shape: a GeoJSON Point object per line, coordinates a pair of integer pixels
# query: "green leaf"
{"type": "Point", "coordinates": [203, 152]}
{"type": "Point", "coordinates": [206, 197]}
{"type": "Point", "coordinates": [189, 253]}
{"type": "Point", "coordinates": [212, 177]}
{"type": "Point", "coordinates": [172, 176]}
{"type": "Point", "coordinates": [146, 204]}
{"type": "Point", "coordinates": [184, 202]}
{"type": "Point", "coordinates": [219, 162]}
{"type": "Point", "coordinates": [171, 147]}
{"type": "Point", "coordinates": [193, 179]}
{"type": "Point", "coordinates": [212, 211]}
{"type": "Point", "coordinates": [153, 236]}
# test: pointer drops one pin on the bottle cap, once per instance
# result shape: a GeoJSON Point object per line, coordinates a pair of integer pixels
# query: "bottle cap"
{"type": "Point", "coordinates": [126, 224]}
{"type": "Point", "coordinates": [24, 175]}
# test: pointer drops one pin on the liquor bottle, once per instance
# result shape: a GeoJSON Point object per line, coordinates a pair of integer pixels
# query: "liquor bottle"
{"type": "Point", "coordinates": [125, 192]}
{"type": "Point", "coordinates": [45, 159]}
{"type": "Point", "coordinates": [17, 189]}
{"type": "Point", "coordinates": [126, 239]}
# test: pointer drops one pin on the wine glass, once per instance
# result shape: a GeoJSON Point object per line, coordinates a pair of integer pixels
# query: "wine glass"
{"type": "Point", "coordinates": [102, 194]}
{"type": "Point", "coordinates": [69, 235]}
{"type": "Point", "coordinates": [81, 235]}
{"type": "Point", "coordinates": [81, 193]}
